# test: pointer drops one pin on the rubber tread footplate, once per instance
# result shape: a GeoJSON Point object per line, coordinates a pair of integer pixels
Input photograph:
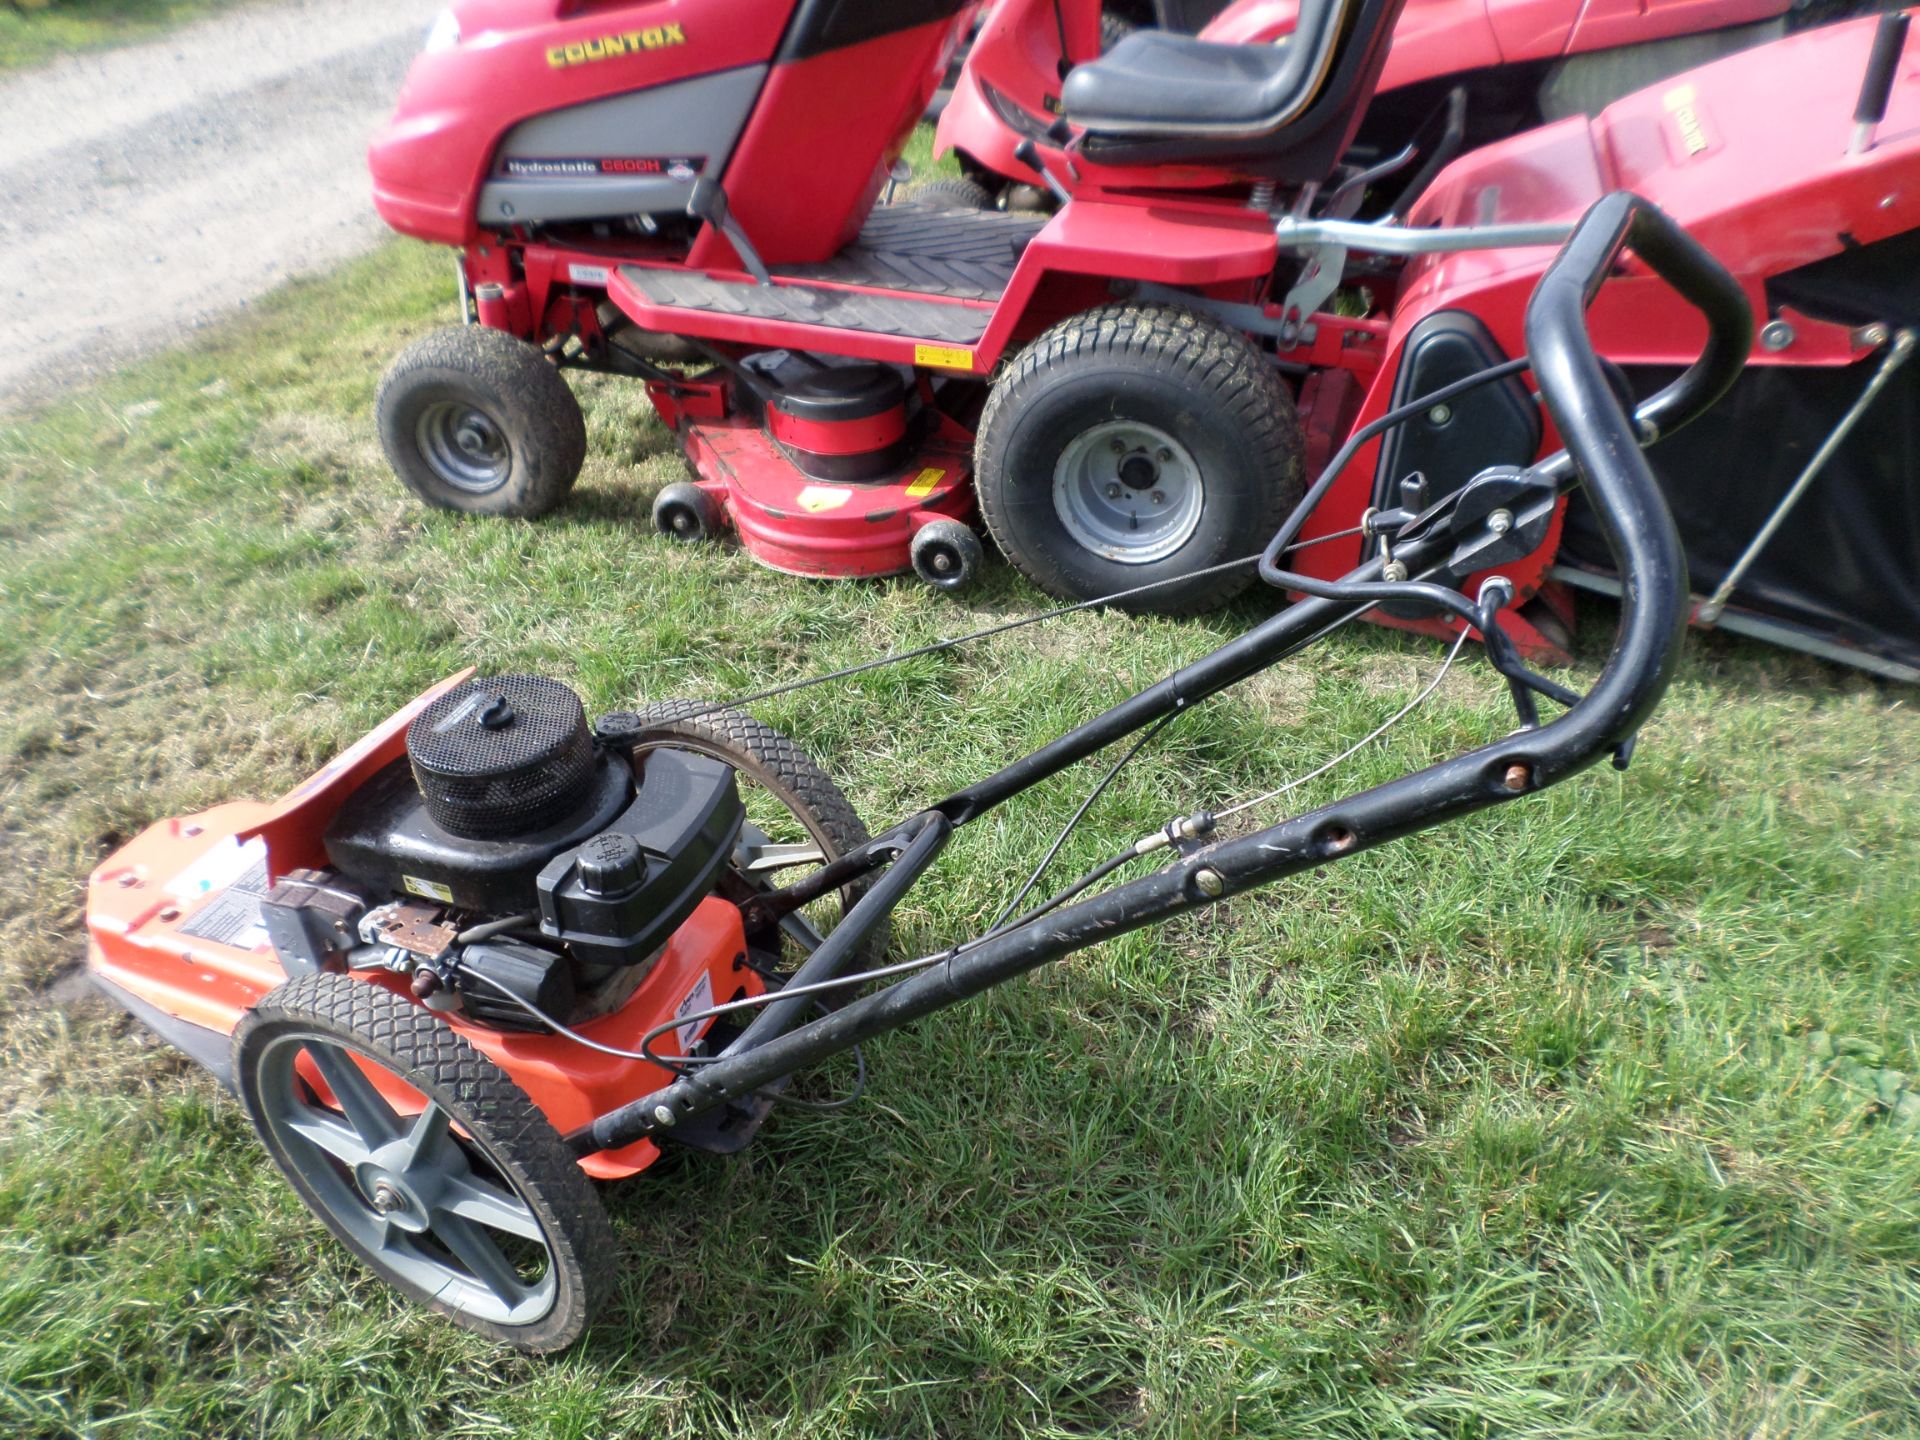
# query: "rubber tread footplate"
{"type": "Point", "coordinates": [931, 250]}
{"type": "Point", "coordinates": [870, 314]}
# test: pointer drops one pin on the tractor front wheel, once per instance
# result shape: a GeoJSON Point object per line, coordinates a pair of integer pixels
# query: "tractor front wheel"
{"type": "Point", "coordinates": [475, 420]}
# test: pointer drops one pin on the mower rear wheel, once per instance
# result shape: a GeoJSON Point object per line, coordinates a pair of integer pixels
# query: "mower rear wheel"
{"type": "Point", "coordinates": [1138, 444]}
{"type": "Point", "coordinates": [796, 816]}
{"type": "Point", "coordinates": [424, 1159]}
{"type": "Point", "coordinates": [475, 420]}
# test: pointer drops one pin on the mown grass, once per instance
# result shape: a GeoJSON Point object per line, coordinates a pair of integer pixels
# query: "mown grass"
{"type": "Point", "coordinates": [35, 31]}
{"type": "Point", "coordinates": [1585, 1118]}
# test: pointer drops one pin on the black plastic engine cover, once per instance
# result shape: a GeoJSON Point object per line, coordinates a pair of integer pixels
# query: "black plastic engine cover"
{"type": "Point", "coordinates": [384, 839]}
{"type": "Point", "coordinates": [618, 897]}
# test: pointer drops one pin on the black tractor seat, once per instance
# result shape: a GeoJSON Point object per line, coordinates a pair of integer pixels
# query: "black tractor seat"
{"type": "Point", "coordinates": [1156, 83]}
{"type": "Point", "coordinates": [1288, 110]}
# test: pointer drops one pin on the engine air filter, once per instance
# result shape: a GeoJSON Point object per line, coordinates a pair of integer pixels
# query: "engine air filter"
{"type": "Point", "coordinates": [502, 756]}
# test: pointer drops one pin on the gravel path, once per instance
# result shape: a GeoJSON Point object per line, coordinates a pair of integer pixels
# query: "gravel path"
{"type": "Point", "coordinates": [146, 190]}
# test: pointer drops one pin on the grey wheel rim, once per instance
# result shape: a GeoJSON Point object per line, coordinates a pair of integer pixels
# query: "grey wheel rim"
{"type": "Point", "coordinates": [407, 1189]}
{"type": "Point", "coordinates": [463, 446]}
{"type": "Point", "coordinates": [1128, 491]}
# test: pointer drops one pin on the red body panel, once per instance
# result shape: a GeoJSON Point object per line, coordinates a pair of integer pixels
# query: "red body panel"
{"type": "Point", "coordinates": [821, 143]}
{"type": "Point", "coordinates": [1018, 49]}
{"type": "Point", "coordinates": [429, 162]}
{"type": "Point", "coordinates": [1766, 187]}
{"type": "Point", "coordinates": [143, 900]}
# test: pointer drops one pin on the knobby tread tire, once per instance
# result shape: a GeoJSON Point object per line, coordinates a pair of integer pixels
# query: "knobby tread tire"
{"type": "Point", "coordinates": [521, 390]}
{"type": "Point", "coordinates": [487, 1103]}
{"type": "Point", "coordinates": [1188, 353]}
{"type": "Point", "coordinates": [783, 768]}
{"type": "Point", "coordinates": [953, 192]}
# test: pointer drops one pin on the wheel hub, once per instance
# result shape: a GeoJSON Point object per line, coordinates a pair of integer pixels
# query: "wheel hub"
{"type": "Point", "coordinates": [396, 1196]}
{"type": "Point", "coordinates": [1128, 491]}
{"type": "Point", "coordinates": [464, 446]}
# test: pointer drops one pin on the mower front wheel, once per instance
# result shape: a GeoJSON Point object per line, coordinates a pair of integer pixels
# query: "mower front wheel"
{"type": "Point", "coordinates": [424, 1159]}
{"type": "Point", "coordinates": [1138, 445]}
{"type": "Point", "coordinates": [475, 420]}
{"type": "Point", "coordinates": [684, 511]}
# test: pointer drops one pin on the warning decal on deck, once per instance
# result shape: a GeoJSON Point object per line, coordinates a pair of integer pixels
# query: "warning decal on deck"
{"type": "Point", "coordinates": [816, 499]}
{"type": "Point", "coordinates": [943, 357]}
{"type": "Point", "coordinates": [924, 483]}
{"type": "Point", "coordinates": [699, 998]}
{"type": "Point", "coordinates": [233, 916]}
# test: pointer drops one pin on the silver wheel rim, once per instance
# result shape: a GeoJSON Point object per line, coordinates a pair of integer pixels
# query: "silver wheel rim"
{"type": "Point", "coordinates": [406, 1188]}
{"type": "Point", "coordinates": [1128, 491]}
{"type": "Point", "coordinates": [463, 446]}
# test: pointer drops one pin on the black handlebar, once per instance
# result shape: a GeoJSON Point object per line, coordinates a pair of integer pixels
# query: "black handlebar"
{"type": "Point", "coordinates": [1601, 440]}
{"type": "Point", "coordinates": [1876, 86]}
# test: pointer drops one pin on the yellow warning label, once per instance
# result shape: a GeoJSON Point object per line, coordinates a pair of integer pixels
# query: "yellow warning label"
{"type": "Point", "coordinates": [1683, 104]}
{"type": "Point", "coordinates": [924, 484]}
{"type": "Point", "coordinates": [427, 889]}
{"type": "Point", "coordinates": [943, 357]}
{"type": "Point", "coordinates": [818, 498]}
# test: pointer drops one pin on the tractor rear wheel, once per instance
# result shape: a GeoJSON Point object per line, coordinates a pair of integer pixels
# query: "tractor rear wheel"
{"type": "Point", "coordinates": [1138, 445]}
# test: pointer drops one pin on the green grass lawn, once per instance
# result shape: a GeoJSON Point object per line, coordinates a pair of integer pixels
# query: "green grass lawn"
{"type": "Point", "coordinates": [1588, 1117]}
{"type": "Point", "coordinates": [38, 30]}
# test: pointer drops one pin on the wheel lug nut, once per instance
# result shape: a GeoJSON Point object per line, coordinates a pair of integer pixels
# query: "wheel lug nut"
{"type": "Point", "coordinates": [1158, 497]}
{"type": "Point", "coordinates": [1113, 491]}
{"type": "Point", "coordinates": [1119, 447]}
{"type": "Point", "coordinates": [1166, 457]}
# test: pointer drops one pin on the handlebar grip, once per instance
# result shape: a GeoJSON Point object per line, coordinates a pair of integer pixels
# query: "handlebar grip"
{"type": "Point", "coordinates": [1601, 439]}
{"type": "Point", "coordinates": [1877, 85]}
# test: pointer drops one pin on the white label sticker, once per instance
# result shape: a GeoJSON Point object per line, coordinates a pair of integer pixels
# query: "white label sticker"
{"type": "Point", "coordinates": [427, 889]}
{"type": "Point", "coordinates": [698, 998]}
{"type": "Point", "coordinates": [222, 865]}
{"type": "Point", "coordinates": [587, 274]}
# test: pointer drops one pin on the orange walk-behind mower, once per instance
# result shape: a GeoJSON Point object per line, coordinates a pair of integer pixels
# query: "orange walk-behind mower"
{"type": "Point", "coordinates": [1136, 387]}
{"type": "Point", "coordinates": [491, 953]}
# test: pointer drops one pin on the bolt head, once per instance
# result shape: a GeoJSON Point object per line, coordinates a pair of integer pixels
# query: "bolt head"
{"type": "Point", "coordinates": [1440, 414]}
{"type": "Point", "coordinates": [664, 1114]}
{"type": "Point", "coordinates": [1166, 456]}
{"type": "Point", "coordinates": [1209, 883]}
{"type": "Point", "coordinates": [1119, 447]}
{"type": "Point", "coordinates": [1517, 778]}
{"type": "Point", "coordinates": [1500, 521]}
{"type": "Point", "coordinates": [1159, 497]}
{"type": "Point", "coordinates": [386, 1199]}
{"type": "Point", "coordinates": [1113, 491]}
{"type": "Point", "coordinates": [1776, 335]}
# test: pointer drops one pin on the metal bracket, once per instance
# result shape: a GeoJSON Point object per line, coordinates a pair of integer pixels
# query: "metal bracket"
{"type": "Point", "coordinates": [1710, 612]}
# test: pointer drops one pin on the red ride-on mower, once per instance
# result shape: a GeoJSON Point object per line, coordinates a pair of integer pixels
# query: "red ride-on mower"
{"type": "Point", "coordinates": [489, 953]}
{"type": "Point", "coordinates": [684, 191]}
{"type": "Point", "coordinates": [1515, 63]}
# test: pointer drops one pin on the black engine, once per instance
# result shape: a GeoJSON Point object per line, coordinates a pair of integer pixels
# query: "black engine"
{"type": "Point", "coordinates": [511, 863]}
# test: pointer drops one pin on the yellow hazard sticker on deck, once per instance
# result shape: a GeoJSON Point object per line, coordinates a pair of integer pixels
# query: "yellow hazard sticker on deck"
{"type": "Point", "coordinates": [924, 483]}
{"type": "Point", "coordinates": [818, 498]}
{"type": "Point", "coordinates": [943, 357]}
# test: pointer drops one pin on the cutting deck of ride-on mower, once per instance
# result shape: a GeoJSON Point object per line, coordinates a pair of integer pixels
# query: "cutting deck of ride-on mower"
{"type": "Point", "coordinates": [491, 951]}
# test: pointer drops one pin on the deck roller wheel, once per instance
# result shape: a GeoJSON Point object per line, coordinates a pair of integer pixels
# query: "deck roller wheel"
{"type": "Point", "coordinates": [475, 420]}
{"type": "Point", "coordinates": [946, 554]}
{"type": "Point", "coordinates": [684, 511]}
{"type": "Point", "coordinates": [425, 1159]}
